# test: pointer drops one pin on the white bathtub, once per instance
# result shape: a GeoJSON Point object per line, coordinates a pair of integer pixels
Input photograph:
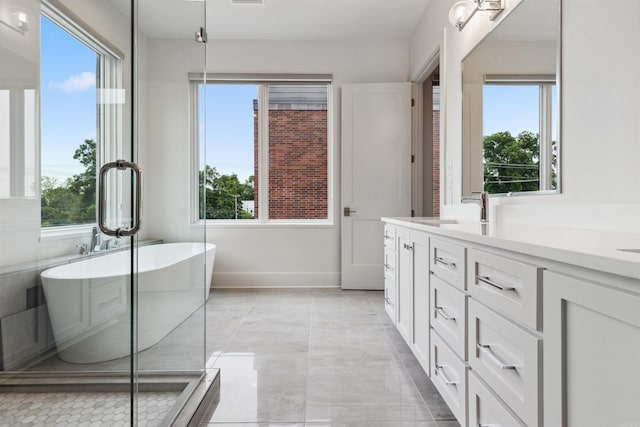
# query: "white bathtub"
{"type": "Point", "coordinates": [89, 301]}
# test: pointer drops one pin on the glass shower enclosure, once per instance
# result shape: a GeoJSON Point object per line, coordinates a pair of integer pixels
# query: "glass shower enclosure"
{"type": "Point", "coordinates": [102, 308]}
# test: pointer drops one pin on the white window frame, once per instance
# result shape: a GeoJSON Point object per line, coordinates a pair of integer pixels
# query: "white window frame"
{"type": "Point", "coordinates": [109, 84]}
{"type": "Point", "coordinates": [262, 81]}
{"type": "Point", "coordinates": [545, 84]}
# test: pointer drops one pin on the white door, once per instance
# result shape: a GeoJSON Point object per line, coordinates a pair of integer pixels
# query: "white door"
{"type": "Point", "coordinates": [376, 175]}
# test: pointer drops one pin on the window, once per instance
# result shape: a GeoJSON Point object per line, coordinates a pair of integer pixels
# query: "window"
{"type": "Point", "coordinates": [80, 117]}
{"type": "Point", "coordinates": [520, 156]}
{"type": "Point", "coordinates": [266, 151]}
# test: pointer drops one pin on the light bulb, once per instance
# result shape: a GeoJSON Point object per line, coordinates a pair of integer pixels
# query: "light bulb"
{"type": "Point", "coordinates": [460, 12]}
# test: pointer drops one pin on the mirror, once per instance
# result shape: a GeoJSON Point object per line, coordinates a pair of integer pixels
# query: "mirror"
{"type": "Point", "coordinates": [510, 105]}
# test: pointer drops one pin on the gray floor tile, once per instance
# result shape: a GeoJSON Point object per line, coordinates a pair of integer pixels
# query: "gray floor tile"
{"type": "Point", "coordinates": [375, 424]}
{"type": "Point", "coordinates": [299, 357]}
{"type": "Point", "coordinates": [253, 425]}
{"type": "Point", "coordinates": [345, 381]}
{"type": "Point", "coordinates": [261, 388]}
{"type": "Point", "coordinates": [366, 413]}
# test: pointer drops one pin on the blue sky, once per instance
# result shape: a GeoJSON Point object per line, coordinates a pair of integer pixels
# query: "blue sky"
{"type": "Point", "coordinates": [229, 128]}
{"type": "Point", "coordinates": [68, 100]}
{"type": "Point", "coordinates": [513, 109]}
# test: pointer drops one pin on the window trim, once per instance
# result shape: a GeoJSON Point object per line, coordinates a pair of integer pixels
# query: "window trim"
{"type": "Point", "coordinates": [262, 81]}
{"type": "Point", "coordinates": [109, 105]}
{"type": "Point", "coordinates": [545, 84]}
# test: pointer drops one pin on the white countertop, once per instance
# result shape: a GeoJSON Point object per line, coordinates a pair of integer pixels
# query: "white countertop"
{"type": "Point", "coordinates": [592, 249]}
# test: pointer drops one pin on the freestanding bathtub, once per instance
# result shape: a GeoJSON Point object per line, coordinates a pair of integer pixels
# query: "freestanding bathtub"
{"type": "Point", "coordinates": [89, 301]}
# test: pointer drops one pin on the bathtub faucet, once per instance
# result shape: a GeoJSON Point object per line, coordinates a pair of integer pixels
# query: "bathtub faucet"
{"type": "Point", "coordinates": [95, 240]}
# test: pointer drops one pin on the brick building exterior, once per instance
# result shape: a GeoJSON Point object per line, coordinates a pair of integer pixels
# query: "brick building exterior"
{"type": "Point", "coordinates": [298, 153]}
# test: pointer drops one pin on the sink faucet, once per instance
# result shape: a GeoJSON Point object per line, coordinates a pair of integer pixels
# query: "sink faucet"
{"type": "Point", "coordinates": [482, 201]}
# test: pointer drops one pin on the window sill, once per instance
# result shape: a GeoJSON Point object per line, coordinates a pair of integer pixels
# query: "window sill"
{"type": "Point", "coordinates": [257, 224]}
{"type": "Point", "coordinates": [65, 233]}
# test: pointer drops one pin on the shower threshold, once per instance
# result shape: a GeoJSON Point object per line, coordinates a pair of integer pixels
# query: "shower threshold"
{"type": "Point", "coordinates": [164, 398]}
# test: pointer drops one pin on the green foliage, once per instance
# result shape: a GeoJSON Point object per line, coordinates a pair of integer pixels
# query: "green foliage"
{"type": "Point", "coordinates": [224, 195]}
{"type": "Point", "coordinates": [74, 201]}
{"type": "Point", "coordinates": [511, 164]}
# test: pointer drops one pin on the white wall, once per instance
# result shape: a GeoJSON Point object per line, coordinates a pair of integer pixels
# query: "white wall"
{"type": "Point", "coordinates": [600, 115]}
{"type": "Point", "coordinates": [249, 255]}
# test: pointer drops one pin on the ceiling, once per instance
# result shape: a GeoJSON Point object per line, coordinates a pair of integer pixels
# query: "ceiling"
{"type": "Point", "coordinates": [280, 19]}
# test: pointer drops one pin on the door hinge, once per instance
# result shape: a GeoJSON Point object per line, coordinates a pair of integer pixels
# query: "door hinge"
{"type": "Point", "coordinates": [413, 102]}
{"type": "Point", "coordinates": [413, 158]}
{"type": "Point", "coordinates": [413, 213]}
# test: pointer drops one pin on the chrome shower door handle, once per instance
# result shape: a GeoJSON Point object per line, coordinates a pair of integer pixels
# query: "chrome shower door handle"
{"type": "Point", "coordinates": [102, 198]}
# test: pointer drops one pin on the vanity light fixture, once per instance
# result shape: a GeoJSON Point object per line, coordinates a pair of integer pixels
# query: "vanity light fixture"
{"type": "Point", "coordinates": [19, 21]}
{"type": "Point", "coordinates": [462, 12]}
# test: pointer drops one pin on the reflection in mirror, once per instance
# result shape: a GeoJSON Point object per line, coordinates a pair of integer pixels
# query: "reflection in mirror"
{"type": "Point", "coordinates": [510, 104]}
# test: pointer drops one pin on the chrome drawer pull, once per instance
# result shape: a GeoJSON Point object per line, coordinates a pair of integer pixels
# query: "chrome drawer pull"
{"type": "Point", "coordinates": [488, 281]}
{"type": "Point", "coordinates": [408, 247]}
{"type": "Point", "coordinates": [388, 267]}
{"type": "Point", "coordinates": [437, 259]}
{"type": "Point", "coordinates": [487, 349]}
{"type": "Point", "coordinates": [441, 312]}
{"type": "Point", "coordinates": [440, 371]}
{"type": "Point", "coordinates": [386, 236]}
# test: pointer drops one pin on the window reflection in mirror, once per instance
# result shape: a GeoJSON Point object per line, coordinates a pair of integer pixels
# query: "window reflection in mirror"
{"type": "Point", "coordinates": [510, 131]}
{"type": "Point", "coordinates": [519, 143]}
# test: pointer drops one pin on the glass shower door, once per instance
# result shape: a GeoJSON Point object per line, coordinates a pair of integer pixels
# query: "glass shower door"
{"type": "Point", "coordinates": [68, 289]}
{"type": "Point", "coordinates": [94, 326]}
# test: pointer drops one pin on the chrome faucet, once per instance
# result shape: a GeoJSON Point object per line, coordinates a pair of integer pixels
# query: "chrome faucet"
{"type": "Point", "coordinates": [95, 239]}
{"type": "Point", "coordinates": [482, 201]}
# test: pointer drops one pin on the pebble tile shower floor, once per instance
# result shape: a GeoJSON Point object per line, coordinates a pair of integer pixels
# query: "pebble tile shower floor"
{"type": "Point", "coordinates": [82, 409]}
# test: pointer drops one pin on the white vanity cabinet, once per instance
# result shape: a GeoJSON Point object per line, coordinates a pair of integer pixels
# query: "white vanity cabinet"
{"type": "Point", "coordinates": [389, 267]}
{"type": "Point", "coordinates": [519, 332]}
{"type": "Point", "coordinates": [449, 323]}
{"type": "Point", "coordinates": [505, 349]}
{"type": "Point", "coordinates": [591, 352]}
{"type": "Point", "coordinates": [413, 291]}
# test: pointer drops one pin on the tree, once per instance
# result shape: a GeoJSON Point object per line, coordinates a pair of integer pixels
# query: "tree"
{"type": "Point", "coordinates": [84, 184]}
{"type": "Point", "coordinates": [73, 202]}
{"type": "Point", "coordinates": [223, 195]}
{"type": "Point", "coordinates": [511, 164]}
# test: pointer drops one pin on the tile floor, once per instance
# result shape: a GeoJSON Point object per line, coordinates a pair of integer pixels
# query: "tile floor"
{"type": "Point", "coordinates": [315, 357]}
{"type": "Point", "coordinates": [83, 409]}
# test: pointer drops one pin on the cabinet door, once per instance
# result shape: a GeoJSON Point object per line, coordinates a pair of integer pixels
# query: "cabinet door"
{"type": "Point", "coordinates": [405, 285]}
{"type": "Point", "coordinates": [591, 354]}
{"type": "Point", "coordinates": [421, 297]}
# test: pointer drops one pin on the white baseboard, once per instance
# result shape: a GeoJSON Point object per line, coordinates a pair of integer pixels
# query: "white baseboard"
{"type": "Point", "coordinates": [276, 280]}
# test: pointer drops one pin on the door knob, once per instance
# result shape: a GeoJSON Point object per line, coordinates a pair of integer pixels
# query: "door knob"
{"type": "Point", "coordinates": [348, 211]}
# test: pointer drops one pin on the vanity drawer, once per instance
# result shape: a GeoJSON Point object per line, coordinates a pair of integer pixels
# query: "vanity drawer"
{"type": "Point", "coordinates": [511, 287]}
{"type": "Point", "coordinates": [508, 359]}
{"type": "Point", "coordinates": [447, 261]}
{"type": "Point", "coordinates": [486, 409]}
{"type": "Point", "coordinates": [448, 315]}
{"type": "Point", "coordinates": [389, 265]}
{"type": "Point", "coordinates": [449, 375]}
{"type": "Point", "coordinates": [390, 299]}
{"type": "Point", "coordinates": [390, 292]}
{"type": "Point", "coordinates": [389, 237]}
